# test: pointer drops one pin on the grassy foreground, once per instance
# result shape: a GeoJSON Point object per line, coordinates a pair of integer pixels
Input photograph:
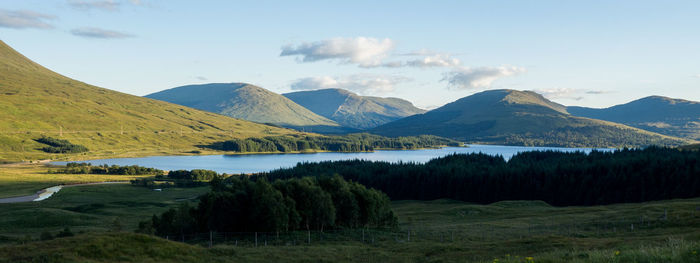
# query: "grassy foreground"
{"type": "Point", "coordinates": [441, 231]}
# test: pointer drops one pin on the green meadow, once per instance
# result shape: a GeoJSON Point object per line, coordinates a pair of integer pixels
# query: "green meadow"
{"type": "Point", "coordinates": [103, 217]}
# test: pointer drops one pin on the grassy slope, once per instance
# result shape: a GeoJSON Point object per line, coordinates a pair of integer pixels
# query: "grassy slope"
{"type": "Point", "coordinates": [35, 101]}
{"type": "Point", "coordinates": [674, 117]}
{"type": "Point", "coordinates": [482, 232]}
{"type": "Point", "coordinates": [244, 101]}
{"type": "Point", "coordinates": [520, 118]}
{"type": "Point", "coordinates": [352, 110]}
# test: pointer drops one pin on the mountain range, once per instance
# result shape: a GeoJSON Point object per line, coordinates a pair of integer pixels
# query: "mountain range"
{"type": "Point", "coordinates": [520, 118]}
{"type": "Point", "coordinates": [248, 102]}
{"type": "Point", "coordinates": [35, 102]}
{"type": "Point", "coordinates": [674, 117]}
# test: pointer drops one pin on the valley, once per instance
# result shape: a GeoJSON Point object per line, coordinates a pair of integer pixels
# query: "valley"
{"type": "Point", "coordinates": [349, 131]}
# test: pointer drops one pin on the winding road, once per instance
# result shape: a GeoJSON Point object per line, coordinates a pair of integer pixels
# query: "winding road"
{"type": "Point", "coordinates": [46, 193]}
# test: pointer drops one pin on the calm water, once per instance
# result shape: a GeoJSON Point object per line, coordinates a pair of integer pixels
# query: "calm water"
{"type": "Point", "coordinates": [251, 163]}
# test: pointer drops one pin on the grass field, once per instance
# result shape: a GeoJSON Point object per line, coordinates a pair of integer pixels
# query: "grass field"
{"type": "Point", "coordinates": [27, 179]}
{"type": "Point", "coordinates": [441, 231]}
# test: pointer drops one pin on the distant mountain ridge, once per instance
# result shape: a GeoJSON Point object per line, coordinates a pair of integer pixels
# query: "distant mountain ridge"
{"type": "Point", "coordinates": [248, 102]}
{"type": "Point", "coordinates": [674, 117]}
{"type": "Point", "coordinates": [519, 118]}
{"type": "Point", "coordinates": [352, 110]}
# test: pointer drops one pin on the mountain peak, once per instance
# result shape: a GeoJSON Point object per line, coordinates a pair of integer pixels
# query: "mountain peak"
{"type": "Point", "coordinates": [498, 97]}
{"type": "Point", "coordinates": [352, 110]}
{"type": "Point", "coordinates": [245, 101]}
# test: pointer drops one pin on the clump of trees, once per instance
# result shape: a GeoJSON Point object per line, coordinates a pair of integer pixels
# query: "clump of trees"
{"type": "Point", "coordinates": [60, 146]}
{"type": "Point", "coordinates": [193, 175]}
{"type": "Point", "coordinates": [558, 178]}
{"type": "Point", "coordinates": [87, 168]}
{"type": "Point", "coordinates": [346, 143]}
{"type": "Point", "coordinates": [238, 204]}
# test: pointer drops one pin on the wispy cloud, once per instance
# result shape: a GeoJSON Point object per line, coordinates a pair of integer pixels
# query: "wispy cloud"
{"type": "Point", "coordinates": [202, 78]}
{"type": "Point", "coordinates": [426, 61]}
{"type": "Point", "coordinates": [598, 92]}
{"type": "Point", "coordinates": [561, 93]}
{"type": "Point", "coordinates": [104, 5]}
{"type": "Point", "coordinates": [435, 60]}
{"type": "Point", "coordinates": [569, 93]}
{"type": "Point", "coordinates": [92, 32]}
{"type": "Point", "coordinates": [366, 84]}
{"type": "Point", "coordinates": [364, 51]}
{"type": "Point", "coordinates": [21, 19]}
{"type": "Point", "coordinates": [478, 78]}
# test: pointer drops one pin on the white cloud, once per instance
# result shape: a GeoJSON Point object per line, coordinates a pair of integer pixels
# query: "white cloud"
{"type": "Point", "coordinates": [598, 92]}
{"type": "Point", "coordinates": [105, 5]}
{"type": "Point", "coordinates": [366, 52]}
{"type": "Point", "coordinates": [92, 32]}
{"type": "Point", "coordinates": [561, 93]}
{"type": "Point", "coordinates": [569, 93]}
{"type": "Point", "coordinates": [435, 60]}
{"type": "Point", "coordinates": [363, 83]}
{"type": "Point", "coordinates": [21, 19]}
{"type": "Point", "coordinates": [476, 78]}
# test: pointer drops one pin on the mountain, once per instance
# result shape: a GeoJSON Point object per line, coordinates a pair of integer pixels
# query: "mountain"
{"type": "Point", "coordinates": [248, 102]}
{"type": "Point", "coordinates": [520, 118]}
{"type": "Point", "coordinates": [352, 110]}
{"type": "Point", "coordinates": [674, 117]}
{"type": "Point", "coordinates": [36, 102]}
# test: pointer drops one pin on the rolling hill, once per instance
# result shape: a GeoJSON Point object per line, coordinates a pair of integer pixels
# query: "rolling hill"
{"type": "Point", "coordinates": [352, 110]}
{"type": "Point", "coordinates": [248, 102]}
{"type": "Point", "coordinates": [520, 118]}
{"type": "Point", "coordinates": [674, 117]}
{"type": "Point", "coordinates": [36, 102]}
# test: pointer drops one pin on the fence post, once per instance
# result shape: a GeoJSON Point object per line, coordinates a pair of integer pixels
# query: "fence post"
{"type": "Point", "coordinates": [211, 239]}
{"type": "Point", "coordinates": [309, 236]}
{"type": "Point", "coordinates": [256, 239]}
{"type": "Point", "coordinates": [363, 235]}
{"type": "Point", "coordinates": [409, 235]}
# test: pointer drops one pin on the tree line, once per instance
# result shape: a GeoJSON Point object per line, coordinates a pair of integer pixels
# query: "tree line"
{"type": "Point", "coordinates": [87, 168]}
{"type": "Point", "coordinates": [191, 175]}
{"type": "Point", "coordinates": [238, 204]}
{"type": "Point", "coordinates": [558, 178]}
{"type": "Point", "coordinates": [347, 143]}
{"type": "Point", "coordinates": [60, 146]}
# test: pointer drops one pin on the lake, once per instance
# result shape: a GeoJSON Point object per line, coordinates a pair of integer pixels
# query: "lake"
{"type": "Point", "coordinates": [252, 163]}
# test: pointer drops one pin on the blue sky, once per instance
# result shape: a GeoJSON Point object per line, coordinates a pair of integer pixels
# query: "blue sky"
{"type": "Point", "coordinates": [590, 53]}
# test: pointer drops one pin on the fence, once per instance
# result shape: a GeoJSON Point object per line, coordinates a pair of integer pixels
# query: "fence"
{"type": "Point", "coordinates": [491, 231]}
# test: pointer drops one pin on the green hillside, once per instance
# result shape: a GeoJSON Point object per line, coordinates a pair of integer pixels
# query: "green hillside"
{"type": "Point", "coordinates": [36, 102]}
{"type": "Point", "coordinates": [352, 110]}
{"type": "Point", "coordinates": [673, 117]}
{"type": "Point", "coordinates": [248, 102]}
{"type": "Point", "coordinates": [520, 118]}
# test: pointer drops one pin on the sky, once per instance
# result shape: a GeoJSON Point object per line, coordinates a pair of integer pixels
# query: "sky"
{"type": "Point", "coordinates": [585, 53]}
